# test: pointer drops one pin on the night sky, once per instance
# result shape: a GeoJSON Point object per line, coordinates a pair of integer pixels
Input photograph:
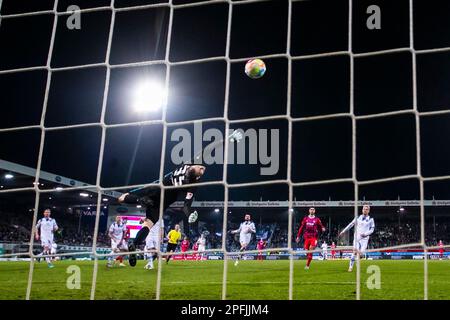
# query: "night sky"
{"type": "Point", "coordinates": [321, 149]}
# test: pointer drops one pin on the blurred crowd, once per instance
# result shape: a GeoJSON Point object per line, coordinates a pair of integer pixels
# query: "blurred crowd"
{"type": "Point", "coordinates": [16, 228]}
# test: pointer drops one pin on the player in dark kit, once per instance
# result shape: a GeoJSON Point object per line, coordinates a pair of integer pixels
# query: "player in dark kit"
{"type": "Point", "coordinates": [150, 198]}
{"type": "Point", "coordinates": [311, 225]}
{"type": "Point", "coordinates": [185, 175]}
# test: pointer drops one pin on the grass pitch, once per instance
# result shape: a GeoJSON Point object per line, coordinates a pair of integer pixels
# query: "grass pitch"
{"type": "Point", "coordinates": [198, 280]}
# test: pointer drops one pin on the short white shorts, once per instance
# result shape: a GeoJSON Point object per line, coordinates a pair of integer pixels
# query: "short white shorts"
{"type": "Point", "coordinates": [118, 245]}
{"type": "Point", "coordinates": [201, 248]}
{"type": "Point", "coordinates": [361, 244]}
{"type": "Point", "coordinates": [46, 243]}
{"type": "Point", "coordinates": [244, 243]}
{"type": "Point", "coordinates": [152, 242]}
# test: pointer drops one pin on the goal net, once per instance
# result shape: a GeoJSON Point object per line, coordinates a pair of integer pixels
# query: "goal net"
{"type": "Point", "coordinates": [171, 56]}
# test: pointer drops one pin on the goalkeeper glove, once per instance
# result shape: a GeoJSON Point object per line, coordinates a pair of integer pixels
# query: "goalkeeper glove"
{"type": "Point", "coordinates": [193, 217]}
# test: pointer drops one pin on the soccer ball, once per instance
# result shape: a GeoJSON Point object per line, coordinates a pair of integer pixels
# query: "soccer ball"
{"type": "Point", "coordinates": [255, 68]}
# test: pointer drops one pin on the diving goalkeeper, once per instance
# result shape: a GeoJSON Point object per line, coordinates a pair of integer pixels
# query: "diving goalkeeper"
{"type": "Point", "coordinates": [151, 197]}
{"type": "Point", "coordinates": [187, 174]}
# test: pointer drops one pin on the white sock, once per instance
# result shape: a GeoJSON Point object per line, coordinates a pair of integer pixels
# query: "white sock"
{"type": "Point", "coordinates": [352, 261]}
{"type": "Point", "coordinates": [48, 259]}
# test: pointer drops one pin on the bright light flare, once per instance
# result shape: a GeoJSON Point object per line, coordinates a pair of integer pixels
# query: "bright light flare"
{"type": "Point", "coordinates": [149, 96]}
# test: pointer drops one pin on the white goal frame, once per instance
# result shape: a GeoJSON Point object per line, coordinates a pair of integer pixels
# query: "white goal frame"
{"type": "Point", "coordinates": [287, 54]}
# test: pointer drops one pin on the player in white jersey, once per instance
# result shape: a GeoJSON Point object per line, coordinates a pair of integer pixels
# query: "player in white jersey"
{"type": "Point", "coordinates": [45, 230]}
{"type": "Point", "coordinates": [152, 242]}
{"type": "Point", "coordinates": [117, 232]}
{"type": "Point", "coordinates": [364, 227]}
{"type": "Point", "coordinates": [245, 234]}
{"type": "Point", "coordinates": [324, 250]}
{"type": "Point", "coordinates": [201, 242]}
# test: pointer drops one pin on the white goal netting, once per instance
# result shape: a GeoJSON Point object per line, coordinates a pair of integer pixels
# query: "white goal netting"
{"type": "Point", "coordinates": [351, 115]}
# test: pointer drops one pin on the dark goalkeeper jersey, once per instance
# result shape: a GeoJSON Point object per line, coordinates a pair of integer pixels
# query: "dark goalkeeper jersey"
{"type": "Point", "coordinates": [180, 177]}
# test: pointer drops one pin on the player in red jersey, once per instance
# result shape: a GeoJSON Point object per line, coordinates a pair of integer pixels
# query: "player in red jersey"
{"type": "Point", "coordinates": [184, 246]}
{"type": "Point", "coordinates": [195, 248]}
{"type": "Point", "coordinates": [261, 245]}
{"type": "Point", "coordinates": [441, 250]}
{"type": "Point", "coordinates": [333, 250]}
{"type": "Point", "coordinates": [126, 236]}
{"type": "Point", "coordinates": [310, 224]}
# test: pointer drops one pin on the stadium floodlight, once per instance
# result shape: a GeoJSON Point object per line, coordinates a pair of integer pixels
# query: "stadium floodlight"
{"type": "Point", "coordinates": [105, 199]}
{"type": "Point", "coordinates": [216, 210]}
{"type": "Point", "coordinates": [59, 188]}
{"type": "Point", "coordinates": [138, 206]}
{"type": "Point", "coordinates": [149, 96]}
{"type": "Point", "coordinates": [84, 195]}
{"type": "Point", "coordinates": [9, 176]}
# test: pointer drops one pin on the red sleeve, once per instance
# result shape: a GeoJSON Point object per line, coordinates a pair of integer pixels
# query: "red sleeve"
{"type": "Point", "coordinates": [301, 228]}
{"type": "Point", "coordinates": [319, 222]}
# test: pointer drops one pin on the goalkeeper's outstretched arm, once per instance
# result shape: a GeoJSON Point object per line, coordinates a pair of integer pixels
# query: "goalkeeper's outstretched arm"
{"type": "Point", "coordinates": [234, 136]}
{"type": "Point", "coordinates": [128, 198]}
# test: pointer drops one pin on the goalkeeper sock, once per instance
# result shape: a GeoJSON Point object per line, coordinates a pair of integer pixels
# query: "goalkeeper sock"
{"type": "Point", "coordinates": [141, 235]}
